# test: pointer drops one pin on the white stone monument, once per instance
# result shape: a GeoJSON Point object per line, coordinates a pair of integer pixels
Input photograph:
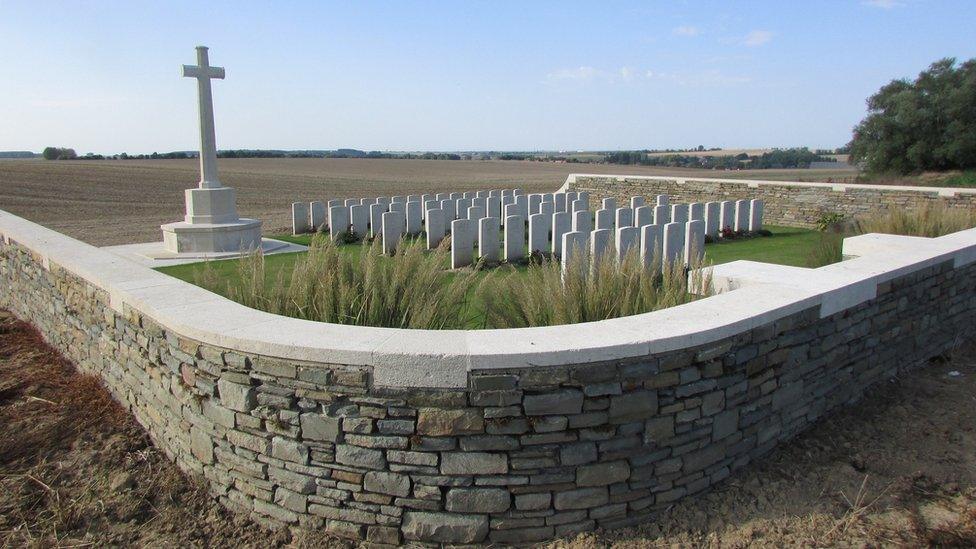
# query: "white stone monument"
{"type": "Point", "coordinates": [211, 224]}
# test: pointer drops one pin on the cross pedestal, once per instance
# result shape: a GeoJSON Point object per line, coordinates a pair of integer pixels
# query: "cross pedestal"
{"type": "Point", "coordinates": [211, 224]}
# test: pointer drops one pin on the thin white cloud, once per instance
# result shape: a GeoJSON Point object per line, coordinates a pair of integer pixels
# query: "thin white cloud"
{"type": "Point", "coordinates": [883, 4]}
{"type": "Point", "coordinates": [757, 38]}
{"type": "Point", "coordinates": [581, 73]}
{"type": "Point", "coordinates": [627, 73]}
{"type": "Point", "coordinates": [686, 30]}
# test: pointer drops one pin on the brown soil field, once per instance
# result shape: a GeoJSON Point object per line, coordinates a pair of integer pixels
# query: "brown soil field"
{"type": "Point", "coordinates": [896, 469]}
{"type": "Point", "coordinates": [122, 202]}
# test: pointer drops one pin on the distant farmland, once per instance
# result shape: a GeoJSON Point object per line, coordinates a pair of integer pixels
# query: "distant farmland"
{"type": "Point", "coordinates": [123, 201]}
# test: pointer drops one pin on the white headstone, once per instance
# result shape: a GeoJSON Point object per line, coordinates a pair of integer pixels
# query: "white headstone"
{"type": "Point", "coordinates": [579, 205]}
{"type": "Point", "coordinates": [582, 222]}
{"type": "Point", "coordinates": [450, 209]}
{"type": "Point", "coordinates": [442, 196]}
{"type": "Point", "coordinates": [604, 219]}
{"type": "Point", "coordinates": [316, 212]}
{"type": "Point", "coordinates": [696, 211]}
{"type": "Point", "coordinates": [413, 198]}
{"type": "Point", "coordinates": [548, 208]}
{"type": "Point", "coordinates": [694, 242]}
{"type": "Point", "coordinates": [522, 201]}
{"type": "Point", "coordinates": [600, 241]}
{"type": "Point", "coordinates": [350, 202]}
{"type": "Point", "coordinates": [756, 208]}
{"type": "Point", "coordinates": [488, 238]}
{"type": "Point", "coordinates": [462, 206]}
{"type": "Point", "coordinates": [414, 221]}
{"type": "Point", "coordinates": [636, 202]}
{"type": "Point", "coordinates": [585, 197]}
{"type": "Point", "coordinates": [470, 195]}
{"type": "Point", "coordinates": [384, 200]}
{"type": "Point", "coordinates": [399, 199]}
{"type": "Point", "coordinates": [662, 214]}
{"type": "Point", "coordinates": [539, 227]}
{"type": "Point", "coordinates": [741, 215]}
{"type": "Point", "coordinates": [514, 238]}
{"type": "Point", "coordinates": [661, 200]}
{"type": "Point", "coordinates": [561, 224]}
{"type": "Point", "coordinates": [643, 215]}
{"type": "Point", "coordinates": [626, 241]}
{"type": "Point", "coordinates": [726, 216]}
{"type": "Point", "coordinates": [299, 218]}
{"type": "Point", "coordinates": [560, 199]}
{"type": "Point", "coordinates": [457, 196]}
{"type": "Point", "coordinates": [495, 207]}
{"type": "Point", "coordinates": [679, 213]}
{"type": "Point", "coordinates": [624, 217]}
{"type": "Point", "coordinates": [376, 212]}
{"type": "Point", "coordinates": [610, 204]}
{"type": "Point", "coordinates": [338, 221]}
{"type": "Point", "coordinates": [462, 242]}
{"type": "Point", "coordinates": [481, 194]}
{"type": "Point", "coordinates": [534, 201]}
{"type": "Point", "coordinates": [574, 245]}
{"type": "Point", "coordinates": [435, 228]}
{"type": "Point", "coordinates": [652, 240]}
{"type": "Point", "coordinates": [571, 197]}
{"type": "Point", "coordinates": [712, 217]}
{"type": "Point", "coordinates": [358, 220]}
{"type": "Point", "coordinates": [674, 244]}
{"type": "Point", "coordinates": [392, 230]}
{"type": "Point", "coordinates": [494, 192]}
{"type": "Point", "coordinates": [476, 213]}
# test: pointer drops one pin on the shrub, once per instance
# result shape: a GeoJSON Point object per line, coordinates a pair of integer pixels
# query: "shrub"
{"type": "Point", "coordinates": [829, 220]}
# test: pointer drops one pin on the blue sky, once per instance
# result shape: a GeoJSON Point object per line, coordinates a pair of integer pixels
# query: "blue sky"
{"type": "Point", "coordinates": [104, 76]}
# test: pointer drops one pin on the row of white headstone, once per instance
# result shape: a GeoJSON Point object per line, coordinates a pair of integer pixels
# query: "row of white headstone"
{"type": "Point", "coordinates": [668, 231]}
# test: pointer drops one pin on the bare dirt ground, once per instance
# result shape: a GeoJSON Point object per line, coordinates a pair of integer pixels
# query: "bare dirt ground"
{"type": "Point", "coordinates": [122, 202]}
{"type": "Point", "coordinates": [896, 469]}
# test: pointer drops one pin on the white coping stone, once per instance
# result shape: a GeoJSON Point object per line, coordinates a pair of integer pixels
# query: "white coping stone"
{"type": "Point", "coordinates": [626, 241]}
{"type": "Point", "coordinates": [572, 243]}
{"type": "Point", "coordinates": [662, 214]}
{"type": "Point", "coordinates": [679, 213]}
{"type": "Point", "coordinates": [299, 218]}
{"type": "Point", "coordinates": [539, 227]}
{"type": "Point", "coordinates": [358, 220]}
{"type": "Point", "coordinates": [579, 205]}
{"type": "Point", "coordinates": [651, 244]}
{"type": "Point", "coordinates": [548, 208]}
{"type": "Point", "coordinates": [609, 204]}
{"type": "Point", "coordinates": [462, 206]}
{"type": "Point", "coordinates": [741, 215]}
{"type": "Point", "coordinates": [661, 200]}
{"type": "Point", "coordinates": [435, 228]}
{"type": "Point", "coordinates": [514, 237]}
{"type": "Point", "coordinates": [560, 199]}
{"type": "Point", "coordinates": [561, 224]}
{"type": "Point", "coordinates": [316, 214]}
{"type": "Point", "coordinates": [624, 218]}
{"type": "Point", "coordinates": [488, 245]}
{"type": "Point", "coordinates": [462, 242]}
{"type": "Point", "coordinates": [392, 230]}
{"type": "Point", "coordinates": [600, 240]}
{"type": "Point", "coordinates": [643, 215]}
{"type": "Point", "coordinates": [694, 241]}
{"type": "Point", "coordinates": [399, 200]}
{"type": "Point", "coordinates": [414, 222]}
{"type": "Point", "coordinates": [712, 217]}
{"type": "Point", "coordinates": [636, 202]}
{"type": "Point", "coordinates": [450, 208]}
{"type": "Point", "coordinates": [696, 211]}
{"type": "Point", "coordinates": [440, 197]}
{"type": "Point", "coordinates": [350, 202]}
{"type": "Point", "coordinates": [582, 221]}
{"type": "Point", "coordinates": [522, 202]}
{"type": "Point", "coordinates": [534, 201]}
{"type": "Point", "coordinates": [338, 221]}
{"type": "Point", "coordinates": [376, 212]}
{"type": "Point", "coordinates": [442, 358]}
{"type": "Point", "coordinates": [476, 213]}
{"type": "Point", "coordinates": [457, 196]}
{"type": "Point", "coordinates": [674, 243]}
{"type": "Point", "coordinates": [604, 219]}
{"type": "Point", "coordinates": [756, 207]}
{"type": "Point", "coordinates": [726, 215]}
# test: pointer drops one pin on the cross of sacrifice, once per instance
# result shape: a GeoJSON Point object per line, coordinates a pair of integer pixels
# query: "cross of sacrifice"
{"type": "Point", "coordinates": [203, 72]}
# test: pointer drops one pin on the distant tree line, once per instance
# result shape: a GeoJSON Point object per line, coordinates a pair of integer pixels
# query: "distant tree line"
{"type": "Point", "coordinates": [928, 124]}
{"type": "Point", "coordinates": [59, 153]}
{"type": "Point", "coordinates": [778, 158]}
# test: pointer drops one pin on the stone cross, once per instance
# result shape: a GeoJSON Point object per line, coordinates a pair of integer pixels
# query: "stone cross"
{"type": "Point", "coordinates": [203, 72]}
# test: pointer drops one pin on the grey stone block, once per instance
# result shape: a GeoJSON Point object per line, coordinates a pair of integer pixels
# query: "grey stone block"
{"type": "Point", "coordinates": [566, 401]}
{"type": "Point", "coordinates": [444, 527]}
{"type": "Point", "coordinates": [478, 500]}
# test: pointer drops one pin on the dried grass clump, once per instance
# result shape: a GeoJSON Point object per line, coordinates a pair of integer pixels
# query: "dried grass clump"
{"type": "Point", "coordinates": [544, 295]}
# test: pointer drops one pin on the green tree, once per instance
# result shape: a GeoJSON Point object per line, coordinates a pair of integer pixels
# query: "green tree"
{"type": "Point", "coordinates": [925, 124]}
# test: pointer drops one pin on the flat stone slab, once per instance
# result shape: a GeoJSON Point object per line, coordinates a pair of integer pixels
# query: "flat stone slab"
{"type": "Point", "coordinates": [152, 254]}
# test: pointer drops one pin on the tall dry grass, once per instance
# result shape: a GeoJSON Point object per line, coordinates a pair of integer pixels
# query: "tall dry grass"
{"type": "Point", "coordinates": [546, 295]}
{"type": "Point", "coordinates": [929, 221]}
{"type": "Point", "coordinates": [408, 290]}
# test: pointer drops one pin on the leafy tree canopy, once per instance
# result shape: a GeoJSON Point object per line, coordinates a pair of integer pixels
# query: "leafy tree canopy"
{"type": "Point", "coordinates": [925, 125]}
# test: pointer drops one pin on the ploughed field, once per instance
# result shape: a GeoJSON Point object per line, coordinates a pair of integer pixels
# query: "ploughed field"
{"type": "Point", "coordinates": [109, 202]}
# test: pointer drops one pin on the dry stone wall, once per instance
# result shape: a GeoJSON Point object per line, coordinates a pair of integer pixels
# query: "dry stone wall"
{"type": "Point", "coordinates": [786, 203]}
{"type": "Point", "coordinates": [518, 455]}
